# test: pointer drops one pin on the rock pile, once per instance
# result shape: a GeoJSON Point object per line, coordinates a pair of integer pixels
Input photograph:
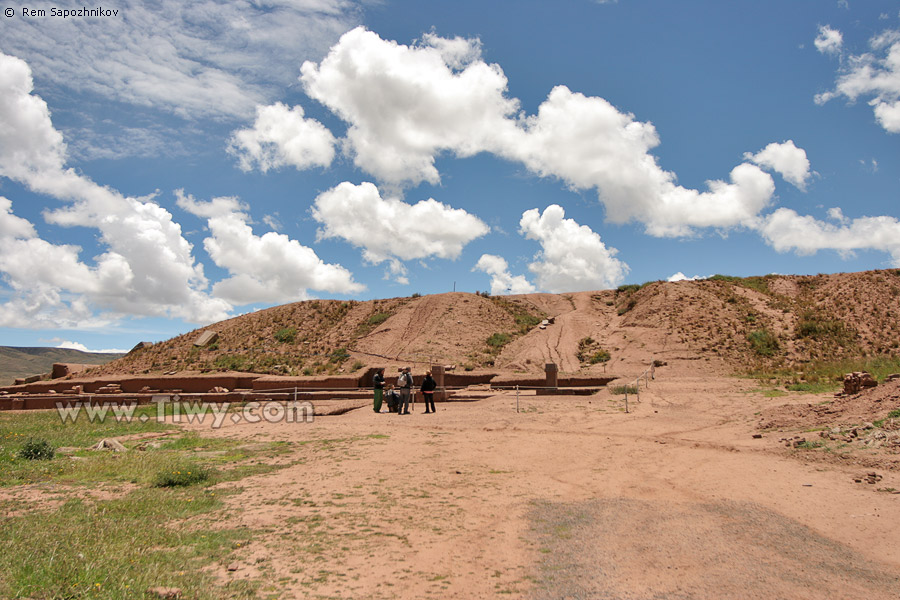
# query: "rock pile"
{"type": "Point", "coordinates": [855, 382]}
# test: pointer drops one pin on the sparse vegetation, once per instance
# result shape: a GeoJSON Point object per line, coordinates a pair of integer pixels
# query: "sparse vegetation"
{"type": "Point", "coordinates": [180, 474]}
{"type": "Point", "coordinates": [763, 342]}
{"type": "Point", "coordinates": [498, 340]}
{"type": "Point", "coordinates": [589, 351]}
{"type": "Point", "coordinates": [286, 335]}
{"type": "Point", "coordinates": [621, 390]}
{"type": "Point", "coordinates": [126, 540]}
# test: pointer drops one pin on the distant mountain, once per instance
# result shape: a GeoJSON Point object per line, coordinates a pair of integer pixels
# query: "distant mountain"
{"type": "Point", "coordinates": [23, 362]}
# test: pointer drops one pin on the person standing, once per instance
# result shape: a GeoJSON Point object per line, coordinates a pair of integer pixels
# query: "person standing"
{"type": "Point", "coordinates": [378, 384]}
{"type": "Point", "coordinates": [428, 386]}
{"type": "Point", "coordinates": [404, 382]}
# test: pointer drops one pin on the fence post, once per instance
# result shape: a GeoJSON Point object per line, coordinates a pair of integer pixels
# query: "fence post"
{"type": "Point", "coordinates": [626, 399]}
{"type": "Point", "coordinates": [517, 398]}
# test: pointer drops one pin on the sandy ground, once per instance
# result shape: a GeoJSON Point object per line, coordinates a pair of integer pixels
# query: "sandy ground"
{"type": "Point", "coordinates": [568, 498]}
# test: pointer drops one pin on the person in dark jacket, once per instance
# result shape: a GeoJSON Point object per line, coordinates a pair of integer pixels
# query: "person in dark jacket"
{"type": "Point", "coordinates": [392, 397]}
{"type": "Point", "coordinates": [378, 384]}
{"type": "Point", "coordinates": [428, 385]}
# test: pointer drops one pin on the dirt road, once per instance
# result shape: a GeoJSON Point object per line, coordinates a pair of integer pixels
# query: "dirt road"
{"type": "Point", "coordinates": [568, 498]}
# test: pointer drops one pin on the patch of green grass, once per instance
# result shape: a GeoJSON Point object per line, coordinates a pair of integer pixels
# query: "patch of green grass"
{"type": "Point", "coordinates": [894, 414]}
{"type": "Point", "coordinates": [372, 322]}
{"type": "Point", "coordinates": [763, 342]}
{"type": "Point", "coordinates": [773, 393]}
{"type": "Point", "coordinates": [818, 387]}
{"type": "Point", "coordinates": [621, 390]}
{"type": "Point", "coordinates": [498, 340]}
{"type": "Point", "coordinates": [286, 335]}
{"type": "Point", "coordinates": [181, 473]}
{"type": "Point", "coordinates": [116, 548]}
{"type": "Point", "coordinates": [15, 429]}
{"type": "Point", "coordinates": [152, 536]}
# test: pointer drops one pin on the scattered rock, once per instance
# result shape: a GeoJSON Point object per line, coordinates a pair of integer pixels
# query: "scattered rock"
{"type": "Point", "coordinates": [165, 593]}
{"type": "Point", "coordinates": [871, 478]}
{"type": "Point", "coordinates": [110, 444]}
{"type": "Point", "coordinates": [219, 390]}
{"type": "Point", "coordinates": [206, 338]}
{"type": "Point", "coordinates": [233, 567]}
{"type": "Point", "coordinates": [757, 436]}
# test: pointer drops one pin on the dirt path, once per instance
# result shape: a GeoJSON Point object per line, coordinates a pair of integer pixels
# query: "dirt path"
{"type": "Point", "coordinates": [568, 498]}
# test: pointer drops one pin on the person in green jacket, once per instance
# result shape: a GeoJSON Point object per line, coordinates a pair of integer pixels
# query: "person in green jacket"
{"type": "Point", "coordinates": [378, 384]}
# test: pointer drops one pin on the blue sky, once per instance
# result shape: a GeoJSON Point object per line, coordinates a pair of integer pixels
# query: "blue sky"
{"type": "Point", "coordinates": [171, 164]}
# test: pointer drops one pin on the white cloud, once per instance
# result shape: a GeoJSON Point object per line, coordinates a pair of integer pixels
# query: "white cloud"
{"type": "Point", "coordinates": [280, 137]}
{"type": "Point", "coordinates": [200, 58]}
{"type": "Point", "coordinates": [502, 281]}
{"type": "Point", "coordinates": [147, 269]}
{"type": "Point", "coordinates": [70, 345]}
{"type": "Point", "coordinates": [572, 257]}
{"type": "Point", "coordinates": [786, 230]}
{"type": "Point", "coordinates": [590, 144]}
{"type": "Point", "coordinates": [787, 160]}
{"type": "Point", "coordinates": [390, 229]}
{"type": "Point", "coordinates": [875, 75]}
{"type": "Point", "coordinates": [407, 104]}
{"type": "Point", "coordinates": [267, 268]}
{"type": "Point", "coordinates": [829, 41]}
{"type": "Point", "coordinates": [679, 276]}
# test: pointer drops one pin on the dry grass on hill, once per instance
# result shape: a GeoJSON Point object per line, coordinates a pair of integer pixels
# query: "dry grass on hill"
{"type": "Point", "coordinates": [763, 323]}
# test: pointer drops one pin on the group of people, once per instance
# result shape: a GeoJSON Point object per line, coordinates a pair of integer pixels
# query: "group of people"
{"type": "Point", "coordinates": [398, 396]}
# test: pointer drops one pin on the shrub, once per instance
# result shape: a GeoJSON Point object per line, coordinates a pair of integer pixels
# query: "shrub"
{"type": "Point", "coordinates": [377, 319]}
{"type": "Point", "coordinates": [498, 340]}
{"type": "Point", "coordinates": [600, 356]}
{"type": "Point", "coordinates": [357, 365]}
{"type": "Point", "coordinates": [286, 335]}
{"type": "Point", "coordinates": [628, 288]}
{"type": "Point", "coordinates": [894, 414]}
{"type": "Point", "coordinates": [36, 449]}
{"type": "Point", "coordinates": [181, 474]}
{"type": "Point", "coordinates": [763, 342]}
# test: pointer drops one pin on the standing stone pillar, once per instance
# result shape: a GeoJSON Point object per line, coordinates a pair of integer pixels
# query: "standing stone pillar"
{"type": "Point", "coordinates": [437, 372]}
{"type": "Point", "coordinates": [552, 375]}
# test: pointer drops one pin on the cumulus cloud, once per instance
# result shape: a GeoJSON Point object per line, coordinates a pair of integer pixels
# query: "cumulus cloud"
{"type": "Point", "coordinates": [388, 229]}
{"type": "Point", "coordinates": [267, 268]}
{"type": "Point", "coordinates": [787, 160]}
{"type": "Point", "coordinates": [786, 230]}
{"type": "Point", "coordinates": [405, 105]}
{"type": "Point", "coordinates": [502, 281]}
{"type": "Point", "coordinates": [588, 143]}
{"type": "Point", "coordinates": [281, 136]}
{"type": "Point", "coordinates": [572, 256]}
{"type": "Point", "coordinates": [147, 269]}
{"type": "Point", "coordinates": [829, 41]}
{"type": "Point", "coordinates": [875, 75]}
